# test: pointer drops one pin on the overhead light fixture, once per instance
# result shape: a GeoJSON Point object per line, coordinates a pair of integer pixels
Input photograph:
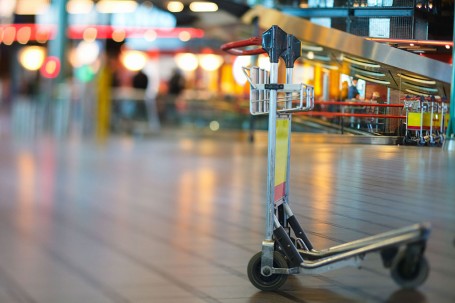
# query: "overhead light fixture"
{"type": "Point", "coordinates": [312, 48]}
{"type": "Point", "coordinates": [321, 58]}
{"type": "Point", "coordinates": [199, 7]}
{"type": "Point", "coordinates": [423, 88]}
{"type": "Point", "coordinates": [312, 56]}
{"type": "Point", "coordinates": [367, 72]}
{"type": "Point", "coordinates": [79, 6]}
{"type": "Point", "coordinates": [361, 63]}
{"type": "Point", "coordinates": [447, 46]}
{"type": "Point", "coordinates": [116, 6]}
{"type": "Point", "coordinates": [416, 92]}
{"type": "Point", "coordinates": [418, 80]}
{"type": "Point", "coordinates": [31, 7]}
{"type": "Point", "coordinates": [175, 6]}
{"type": "Point", "coordinates": [7, 8]}
{"type": "Point", "coordinates": [374, 80]}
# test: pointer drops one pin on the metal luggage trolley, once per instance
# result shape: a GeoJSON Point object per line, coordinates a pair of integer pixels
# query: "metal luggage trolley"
{"type": "Point", "coordinates": [428, 119]}
{"type": "Point", "coordinates": [286, 249]}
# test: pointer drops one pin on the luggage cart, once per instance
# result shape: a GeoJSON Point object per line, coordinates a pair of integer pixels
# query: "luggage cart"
{"type": "Point", "coordinates": [427, 119]}
{"type": "Point", "coordinates": [286, 248]}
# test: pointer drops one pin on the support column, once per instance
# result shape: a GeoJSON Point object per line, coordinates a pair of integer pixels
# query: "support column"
{"type": "Point", "coordinates": [449, 143]}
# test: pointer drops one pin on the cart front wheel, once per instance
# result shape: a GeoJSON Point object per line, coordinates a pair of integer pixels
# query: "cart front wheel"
{"type": "Point", "coordinates": [262, 282]}
{"type": "Point", "coordinates": [410, 275]}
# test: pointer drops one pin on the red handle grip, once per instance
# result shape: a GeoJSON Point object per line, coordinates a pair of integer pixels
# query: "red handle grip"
{"type": "Point", "coordinates": [233, 48]}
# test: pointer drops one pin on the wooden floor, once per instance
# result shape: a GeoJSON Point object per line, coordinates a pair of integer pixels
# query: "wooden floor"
{"type": "Point", "coordinates": [176, 217]}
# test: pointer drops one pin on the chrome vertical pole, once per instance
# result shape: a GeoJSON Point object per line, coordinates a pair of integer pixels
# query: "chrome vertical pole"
{"type": "Point", "coordinates": [271, 152]}
{"type": "Point", "coordinates": [274, 43]}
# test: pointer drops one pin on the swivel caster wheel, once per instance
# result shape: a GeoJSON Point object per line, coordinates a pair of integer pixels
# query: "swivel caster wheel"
{"type": "Point", "coordinates": [410, 274]}
{"type": "Point", "coordinates": [266, 283]}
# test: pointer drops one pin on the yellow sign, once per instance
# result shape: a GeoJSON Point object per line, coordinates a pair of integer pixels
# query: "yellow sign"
{"type": "Point", "coordinates": [281, 161]}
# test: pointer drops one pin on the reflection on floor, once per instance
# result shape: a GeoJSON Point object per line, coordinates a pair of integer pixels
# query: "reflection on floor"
{"type": "Point", "coordinates": [176, 218]}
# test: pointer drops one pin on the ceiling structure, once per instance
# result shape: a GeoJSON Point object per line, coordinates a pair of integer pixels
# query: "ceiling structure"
{"type": "Point", "coordinates": [369, 60]}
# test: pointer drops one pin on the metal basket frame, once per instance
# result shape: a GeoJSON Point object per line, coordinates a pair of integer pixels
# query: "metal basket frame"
{"type": "Point", "coordinates": [290, 97]}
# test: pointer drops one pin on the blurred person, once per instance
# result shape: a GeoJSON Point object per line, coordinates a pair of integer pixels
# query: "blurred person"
{"type": "Point", "coordinates": [353, 92]}
{"type": "Point", "coordinates": [176, 82]}
{"type": "Point", "coordinates": [176, 85]}
{"type": "Point", "coordinates": [151, 92]}
{"type": "Point", "coordinates": [376, 98]}
{"type": "Point", "coordinates": [140, 80]}
{"type": "Point", "coordinates": [354, 95]}
{"type": "Point", "coordinates": [344, 91]}
{"type": "Point", "coordinates": [342, 96]}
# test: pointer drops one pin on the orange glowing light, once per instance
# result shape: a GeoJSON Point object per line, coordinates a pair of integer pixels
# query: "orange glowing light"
{"type": "Point", "coordinates": [51, 67]}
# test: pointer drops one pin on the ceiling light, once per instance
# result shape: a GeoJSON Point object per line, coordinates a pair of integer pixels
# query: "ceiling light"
{"type": "Point", "coordinates": [175, 6]}
{"type": "Point", "coordinates": [383, 82]}
{"type": "Point", "coordinates": [7, 8]}
{"type": "Point", "coordinates": [313, 48]}
{"type": "Point", "coordinates": [31, 7]}
{"type": "Point", "coordinates": [418, 80]}
{"type": "Point", "coordinates": [79, 6]}
{"type": "Point", "coordinates": [423, 88]}
{"type": "Point", "coordinates": [367, 72]}
{"type": "Point", "coordinates": [416, 92]}
{"type": "Point", "coordinates": [362, 63]}
{"type": "Point", "coordinates": [116, 6]}
{"type": "Point", "coordinates": [203, 6]}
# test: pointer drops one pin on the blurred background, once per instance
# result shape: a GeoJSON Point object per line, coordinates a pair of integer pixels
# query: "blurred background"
{"type": "Point", "coordinates": [123, 67]}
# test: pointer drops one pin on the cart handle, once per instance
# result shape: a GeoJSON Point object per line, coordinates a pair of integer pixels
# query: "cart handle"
{"type": "Point", "coordinates": [233, 48]}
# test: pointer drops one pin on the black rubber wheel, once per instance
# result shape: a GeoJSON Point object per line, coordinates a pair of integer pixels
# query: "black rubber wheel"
{"type": "Point", "coordinates": [262, 282]}
{"type": "Point", "coordinates": [411, 276]}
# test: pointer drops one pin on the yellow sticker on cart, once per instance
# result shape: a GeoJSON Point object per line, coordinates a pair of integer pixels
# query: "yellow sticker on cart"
{"type": "Point", "coordinates": [281, 161]}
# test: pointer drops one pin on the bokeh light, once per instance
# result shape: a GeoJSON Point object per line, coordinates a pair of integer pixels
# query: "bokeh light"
{"type": "Point", "coordinates": [186, 61]}
{"type": "Point", "coordinates": [210, 62]}
{"type": "Point", "coordinates": [32, 57]}
{"type": "Point", "coordinates": [133, 60]}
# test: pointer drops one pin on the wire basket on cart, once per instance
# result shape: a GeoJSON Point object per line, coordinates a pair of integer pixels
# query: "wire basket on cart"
{"type": "Point", "coordinates": [290, 97]}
